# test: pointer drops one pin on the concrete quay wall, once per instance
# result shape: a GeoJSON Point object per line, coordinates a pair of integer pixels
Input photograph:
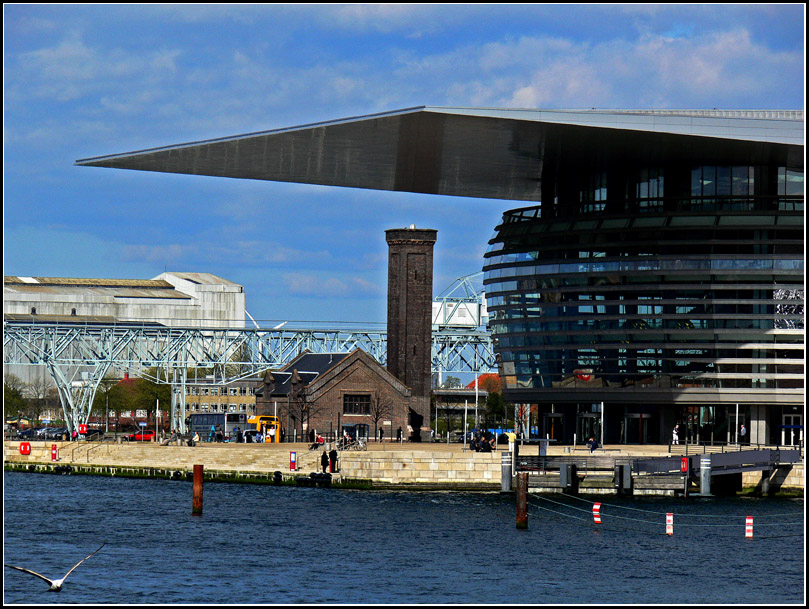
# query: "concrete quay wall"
{"type": "Point", "coordinates": [386, 465]}
{"type": "Point", "coordinates": [382, 465]}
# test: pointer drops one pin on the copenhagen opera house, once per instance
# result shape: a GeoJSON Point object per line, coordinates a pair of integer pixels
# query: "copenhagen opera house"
{"type": "Point", "coordinates": [650, 274]}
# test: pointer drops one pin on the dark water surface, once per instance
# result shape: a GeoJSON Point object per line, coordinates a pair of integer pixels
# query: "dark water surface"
{"type": "Point", "coordinates": [266, 544]}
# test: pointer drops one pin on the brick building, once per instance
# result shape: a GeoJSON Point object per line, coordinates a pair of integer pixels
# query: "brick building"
{"type": "Point", "coordinates": [332, 392]}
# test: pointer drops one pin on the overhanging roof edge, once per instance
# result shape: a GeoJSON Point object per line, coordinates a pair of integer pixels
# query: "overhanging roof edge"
{"type": "Point", "coordinates": [694, 123]}
{"type": "Point", "coordinates": [231, 138]}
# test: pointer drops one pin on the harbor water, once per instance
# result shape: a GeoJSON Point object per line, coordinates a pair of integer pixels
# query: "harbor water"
{"type": "Point", "coordinates": [280, 544]}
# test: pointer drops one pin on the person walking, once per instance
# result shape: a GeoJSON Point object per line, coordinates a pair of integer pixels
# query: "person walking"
{"type": "Point", "coordinates": [675, 435]}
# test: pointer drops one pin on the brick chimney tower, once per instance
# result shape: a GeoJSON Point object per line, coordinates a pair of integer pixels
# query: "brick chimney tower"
{"type": "Point", "coordinates": [410, 297]}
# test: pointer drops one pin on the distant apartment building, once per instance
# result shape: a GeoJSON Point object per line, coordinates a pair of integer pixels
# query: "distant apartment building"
{"type": "Point", "coordinates": [204, 395]}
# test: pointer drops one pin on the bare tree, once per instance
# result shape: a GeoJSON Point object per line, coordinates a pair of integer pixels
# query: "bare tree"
{"type": "Point", "coordinates": [379, 407]}
{"type": "Point", "coordinates": [42, 395]}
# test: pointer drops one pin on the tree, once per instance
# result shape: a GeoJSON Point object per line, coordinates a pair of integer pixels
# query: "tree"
{"type": "Point", "coordinates": [148, 394]}
{"type": "Point", "coordinates": [379, 407]}
{"type": "Point", "coordinates": [452, 382]}
{"type": "Point", "coordinates": [14, 402]}
{"type": "Point", "coordinates": [496, 407]}
{"type": "Point", "coordinates": [43, 396]}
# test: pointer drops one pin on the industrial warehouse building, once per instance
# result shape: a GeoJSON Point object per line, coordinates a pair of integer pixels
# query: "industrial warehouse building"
{"type": "Point", "coordinates": [174, 299]}
{"type": "Point", "coordinates": [653, 275]}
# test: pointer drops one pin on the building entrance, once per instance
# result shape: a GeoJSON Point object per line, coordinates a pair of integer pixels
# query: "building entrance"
{"type": "Point", "coordinates": [635, 428]}
{"type": "Point", "coordinates": [588, 424]}
{"type": "Point", "coordinates": [792, 430]}
{"type": "Point", "coordinates": [736, 418]}
{"type": "Point", "coordinates": [552, 424]}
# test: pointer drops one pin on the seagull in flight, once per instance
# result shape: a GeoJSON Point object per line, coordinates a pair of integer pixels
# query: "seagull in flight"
{"type": "Point", "coordinates": [55, 584]}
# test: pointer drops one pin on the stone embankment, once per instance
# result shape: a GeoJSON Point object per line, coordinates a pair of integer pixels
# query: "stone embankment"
{"type": "Point", "coordinates": [381, 465]}
{"type": "Point", "coordinates": [429, 466]}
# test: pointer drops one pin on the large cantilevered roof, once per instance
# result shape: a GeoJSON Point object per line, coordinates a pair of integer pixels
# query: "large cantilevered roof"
{"type": "Point", "coordinates": [492, 153]}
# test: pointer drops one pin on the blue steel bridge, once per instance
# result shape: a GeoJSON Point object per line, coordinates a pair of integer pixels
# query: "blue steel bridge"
{"type": "Point", "coordinates": [79, 355]}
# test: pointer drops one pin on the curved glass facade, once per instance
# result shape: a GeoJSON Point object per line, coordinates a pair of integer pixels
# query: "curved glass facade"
{"type": "Point", "coordinates": [654, 284]}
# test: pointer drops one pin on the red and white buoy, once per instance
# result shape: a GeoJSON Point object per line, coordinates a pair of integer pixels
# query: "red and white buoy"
{"type": "Point", "coordinates": [669, 524]}
{"type": "Point", "coordinates": [597, 513]}
{"type": "Point", "coordinates": [748, 528]}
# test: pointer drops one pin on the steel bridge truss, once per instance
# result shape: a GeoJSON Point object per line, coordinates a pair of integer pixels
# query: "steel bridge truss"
{"type": "Point", "coordinates": [79, 356]}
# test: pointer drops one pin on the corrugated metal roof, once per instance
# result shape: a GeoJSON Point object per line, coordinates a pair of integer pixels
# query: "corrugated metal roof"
{"type": "Point", "coordinates": [201, 278]}
{"type": "Point", "coordinates": [160, 292]}
{"type": "Point", "coordinates": [87, 282]}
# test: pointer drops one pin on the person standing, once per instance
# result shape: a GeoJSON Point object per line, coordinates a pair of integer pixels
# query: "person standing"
{"type": "Point", "coordinates": [399, 434]}
{"type": "Point", "coordinates": [333, 460]}
{"type": "Point", "coordinates": [324, 461]}
{"type": "Point", "coordinates": [381, 434]}
{"type": "Point", "coordinates": [742, 434]}
{"type": "Point", "coordinates": [272, 434]}
{"type": "Point", "coordinates": [675, 435]}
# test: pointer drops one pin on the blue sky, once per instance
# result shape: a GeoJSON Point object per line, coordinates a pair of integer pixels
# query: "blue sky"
{"type": "Point", "coordinates": [90, 80]}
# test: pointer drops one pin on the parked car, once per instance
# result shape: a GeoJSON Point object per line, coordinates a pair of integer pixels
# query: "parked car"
{"type": "Point", "coordinates": [250, 435]}
{"type": "Point", "coordinates": [147, 435]}
{"type": "Point", "coordinates": [55, 433]}
{"type": "Point", "coordinates": [27, 434]}
{"type": "Point", "coordinates": [93, 434]}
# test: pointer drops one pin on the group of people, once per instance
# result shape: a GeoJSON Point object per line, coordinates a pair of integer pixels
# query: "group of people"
{"type": "Point", "coordinates": [329, 461]}
{"type": "Point", "coordinates": [483, 441]}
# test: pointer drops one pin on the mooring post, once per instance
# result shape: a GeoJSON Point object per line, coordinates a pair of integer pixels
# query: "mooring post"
{"type": "Point", "coordinates": [197, 509]}
{"type": "Point", "coordinates": [505, 472]}
{"type": "Point", "coordinates": [522, 500]}
{"type": "Point", "coordinates": [705, 476]}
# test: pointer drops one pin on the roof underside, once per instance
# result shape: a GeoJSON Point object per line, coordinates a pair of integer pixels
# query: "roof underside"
{"type": "Point", "coordinates": [498, 154]}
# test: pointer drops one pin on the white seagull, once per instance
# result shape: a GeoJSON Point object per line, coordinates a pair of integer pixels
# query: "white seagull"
{"type": "Point", "coordinates": [55, 584]}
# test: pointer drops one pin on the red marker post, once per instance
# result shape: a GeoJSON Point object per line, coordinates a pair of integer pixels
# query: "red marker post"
{"type": "Point", "coordinates": [54, 453]}
{"type": "Point", "coordinates": [597, 513]}
{"type": "Point", "coordinates": [293, 461]}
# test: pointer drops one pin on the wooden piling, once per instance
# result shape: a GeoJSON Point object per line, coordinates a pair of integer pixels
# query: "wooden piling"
{"type": "Point", "coordinates": [522, 500]}
{"type": "Point", "coordinates": [197, 509]}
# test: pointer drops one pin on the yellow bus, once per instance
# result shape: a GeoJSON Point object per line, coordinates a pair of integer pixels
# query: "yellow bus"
{"type": "Point", "coordinates": [265, 423]}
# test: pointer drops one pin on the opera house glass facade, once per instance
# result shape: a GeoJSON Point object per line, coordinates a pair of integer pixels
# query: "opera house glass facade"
{"type": "Point", "coordinates": [661, 278]}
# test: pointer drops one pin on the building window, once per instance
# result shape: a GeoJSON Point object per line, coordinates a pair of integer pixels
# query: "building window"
{"type": "Point", "coordinates": [215, 391]}
{"type": "Point", "coordinates": [649, 190]}
{"type": "Point", "coordinates": [356, 404]}
{"type": "Point", "coordinates": [33, 310]}
{"type": "Point", "coordinates": [790, 182]}
{"type": "Point", "coordinates": [73, 312]}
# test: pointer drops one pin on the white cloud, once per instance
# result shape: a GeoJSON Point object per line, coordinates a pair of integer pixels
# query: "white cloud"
{"type": "Point", "coordinates": [314, 285]}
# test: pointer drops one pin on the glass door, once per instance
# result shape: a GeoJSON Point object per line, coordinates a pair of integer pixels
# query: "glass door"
{"type": "Point", "coordinates": [734, 424]}
{"type": "Point", "coordinates": [635, 428]}
{"type": "Point", "coordinates": [552, 424]}
{"type": "Point", "coordinates": [588, 425]}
